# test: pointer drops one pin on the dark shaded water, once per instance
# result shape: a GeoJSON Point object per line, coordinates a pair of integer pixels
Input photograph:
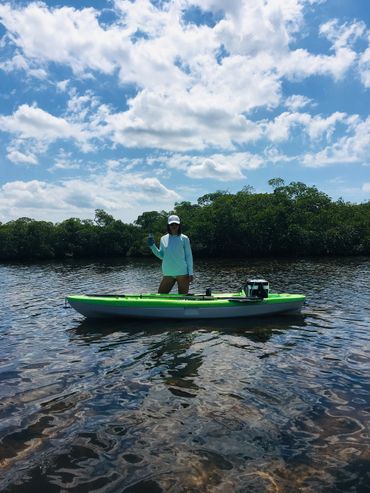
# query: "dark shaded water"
{"type": "Point", "coordinates": [270, 405]}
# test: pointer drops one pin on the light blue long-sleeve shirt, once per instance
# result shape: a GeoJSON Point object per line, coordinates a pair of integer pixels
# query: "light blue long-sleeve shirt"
{"type": "Point", "coordinates": [176, 255]}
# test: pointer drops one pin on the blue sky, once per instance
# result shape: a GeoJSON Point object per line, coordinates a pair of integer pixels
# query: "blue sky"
{"type": "Point", "coordinates": [131, 106]}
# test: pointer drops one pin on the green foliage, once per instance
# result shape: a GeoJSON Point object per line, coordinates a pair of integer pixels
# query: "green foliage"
{"type": "Point", "coordinates": [293, 219]}
{"type": "Point", "coordinates": [153, 221]}
{"type": "Point", "coordinates": [102, 218]}
{"type": "Point", "coordinates": [26, 238]}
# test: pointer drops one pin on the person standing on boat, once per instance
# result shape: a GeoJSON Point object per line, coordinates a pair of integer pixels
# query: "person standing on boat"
{"type": "Point", "coordinates": [177, 258]}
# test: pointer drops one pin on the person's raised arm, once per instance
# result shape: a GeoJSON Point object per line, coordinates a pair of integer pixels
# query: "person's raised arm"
{"type": "Point", "coordinates": [158, 252]}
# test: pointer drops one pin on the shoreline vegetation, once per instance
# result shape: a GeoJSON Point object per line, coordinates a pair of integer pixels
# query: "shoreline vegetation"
{"type": "Point", "coordinates": [292, 220]}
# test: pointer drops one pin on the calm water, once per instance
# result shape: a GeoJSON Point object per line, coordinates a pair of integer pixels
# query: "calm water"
{"type": "Point", "coordinates": [270, 405]}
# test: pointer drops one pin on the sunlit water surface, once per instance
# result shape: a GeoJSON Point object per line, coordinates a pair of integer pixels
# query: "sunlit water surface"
{"type": "Point", "coordinates": [267, 405]}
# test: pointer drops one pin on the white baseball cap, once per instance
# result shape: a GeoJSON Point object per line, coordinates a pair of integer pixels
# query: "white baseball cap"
{"type": "Point", "coordinates": [174, 219]}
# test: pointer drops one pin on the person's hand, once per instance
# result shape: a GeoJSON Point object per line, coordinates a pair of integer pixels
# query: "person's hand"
{"type": "Point", "coordinates": [150, 241]}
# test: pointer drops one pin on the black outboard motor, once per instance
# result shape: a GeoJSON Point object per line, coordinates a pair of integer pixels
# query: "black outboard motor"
{"type": "Point", "coordinates": [256, 288]}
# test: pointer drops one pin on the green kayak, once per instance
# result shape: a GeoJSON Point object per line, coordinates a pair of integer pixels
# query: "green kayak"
{"type": "Point", "coordinates": [175, 306]}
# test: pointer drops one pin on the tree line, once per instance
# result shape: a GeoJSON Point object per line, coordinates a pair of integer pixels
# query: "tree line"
{"type": "Point", "coordinates": [293, 219]}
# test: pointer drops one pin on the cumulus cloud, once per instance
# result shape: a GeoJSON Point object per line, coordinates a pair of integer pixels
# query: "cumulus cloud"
{"type": "Point", "coordinates": [221, 167]}
{"type": "Point", "coordinates": [62, 85]}
{"type": "Point", "coordinates": [18, 157]}
{"type": "Point", "coordinates": [19, 62]}
{"type": "Point", "coordinates": [297, 102]}
{"type": "Point", "coordinates": [31, 122]}
{"type": "Point", "coordinates": [172, 56]}
{"type": "Point", "coordinates": [300, 64]}
{"type": "Point", "coordinates": [180, 123]}
{"type": "Point", "coordinates": [273, 155]}
{"type": "Point", "coordinates": [189, 97]}
{"type": "Point", "coordinates": [342, 35]}
{"type": "Point", "coordinates": [64, 161]}
{"type": "Point", "coordinates": [315, 127]}
{"type": "Point", "coordinates": [124, 196]}
{"type": "Point", "coordinates": [353, 148]}
{"type": "Point", "coordinates": [37, 127]}
{"type": "Point", "coordinates": [77, 38]}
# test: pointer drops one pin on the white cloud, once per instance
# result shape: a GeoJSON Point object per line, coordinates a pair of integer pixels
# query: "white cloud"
{"type": "Point", "coordinates": [279, 129]}
{"type": "Point", "coordinates": [187, 98]}
{"type": "Point", "coordinates": [33, 126]}
{"type": "Point", "coordinates": [62, 85]}
{"type": "Point", "coordinates": [18, 157]}
{"type": "Point", "coordinates": [319, 127]}
{"type": "Point", "coordinates": [77, 38]}
{"type": "Point", "coordinates": [221, 167]}
{"type": "Point", "coordinates": [180, 123]}
{"type": "Point", "coordinates": [216, 169]}
{"type": "Point", "coordinates": [31, 122]}
{"type": "Point", "coordinates": [19, 62]}
{"type": "Point", "coordinates": [65, 161]}
{"type": "Point", "coordinates": [342, 35]}
{"type": "Point", "coordinates": [300, 64]}
{"type": "Point", "coordinates": [65, 165]}
{"type": "Point", "coordinates": [125, 196]}
{"type": "Point", "coordinates": [297, 101]}
{"type": "Point", "coordinates": [366, 187]}
{"type": "Point", "coordinates": [25, 151]}
{"type": "Point", "coordinates": [353, 148]}
{"type": "Point", "coordinates": [274, 155]}
{"type": "Point", "coordinates": [315, 127]}
{"type": "Point", "coordinates": [174, 59]}
{"type": "Point", "coordinates": [33, 194]}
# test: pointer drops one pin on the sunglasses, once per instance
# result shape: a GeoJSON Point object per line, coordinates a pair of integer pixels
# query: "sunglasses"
{"type": "Point", "coordinates": [173, 225]}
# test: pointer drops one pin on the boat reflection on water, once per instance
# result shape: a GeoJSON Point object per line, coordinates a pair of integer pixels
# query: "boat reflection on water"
{"type": "Point", "coordinates": [259, 328]}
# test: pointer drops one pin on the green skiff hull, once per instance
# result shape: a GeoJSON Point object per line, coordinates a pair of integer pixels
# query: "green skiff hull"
{"type": "Point", "coordinates": [159, 306]}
